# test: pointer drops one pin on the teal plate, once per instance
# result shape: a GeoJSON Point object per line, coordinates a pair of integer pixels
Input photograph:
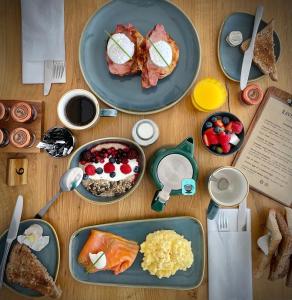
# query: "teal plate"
{"type": "Point", "coordinates": [230, 58]}
{"type": "Point", "coordinates": [137, 231]}
{"type": "Point", "coordinates": [125, 93]}
{"type": "Point", "coordinates": [83, 192]}
{"type": "Point", "coordinates": [49, 256]}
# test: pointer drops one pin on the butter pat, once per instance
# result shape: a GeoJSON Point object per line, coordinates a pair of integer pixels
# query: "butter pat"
{"type": "Point", "coordinates": [161, 48]}
{"type": "Point", "coordinates": [115, 53]}
{"type": "Point", "coordinates": [234, 38]}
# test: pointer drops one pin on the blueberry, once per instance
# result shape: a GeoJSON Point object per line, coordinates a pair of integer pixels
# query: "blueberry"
{"type": "Point", "coordinates": [99, 171]}
{"type": "Point", "coordinates": [217, 129]}
{"type": "Point", "coordinates": [225, 120]}
{"type": "Point", "coordinates": [136, 169]}
{"type": "Point", "coordinates": [118, 161]}
{"type": "Point", "coordinates": [208, 125]}
{"type": "Point", "coordinates": [213, 148]}
{"type": "Point", "coordinates": [112, 160]}
{"type": "Point", "coordinates": [112, 174]}
{"type": "Point", "coordinates": [213, 119]}
{"type": "Point", "coordinates": [85, 176]}
{"type": "Point", "coordinates": [124, 154]}
{"type": "Point", "coordinates": [219, 150]}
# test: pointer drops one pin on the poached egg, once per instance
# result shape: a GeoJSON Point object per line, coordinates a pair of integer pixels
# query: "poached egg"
{"type": "Point", "coordinates": [165, 50]}
{"type": "Point", "coordinates": [115, 53]}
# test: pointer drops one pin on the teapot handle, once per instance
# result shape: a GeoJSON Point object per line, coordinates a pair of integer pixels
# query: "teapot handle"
{"type": "Point", "coordinates": [159, 200]}
{"type": "Point", "coordinates": [187, 145]}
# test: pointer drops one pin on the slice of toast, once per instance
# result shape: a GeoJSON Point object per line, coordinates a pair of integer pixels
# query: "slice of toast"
{"type": "Point", "coordinates": [264, 56]}
{"type": "Point", "coordinates": [25, 269]}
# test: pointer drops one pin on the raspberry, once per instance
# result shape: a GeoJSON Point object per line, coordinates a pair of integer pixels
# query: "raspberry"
{"type": "Point", "coordinates": [109, 168]}
{"type": "Point", "coordinates": [226, 148]}
{"type": "Point", "coordinates": [86, 155]}
{"type": "Point", "coordinates": [125, 169]}
{"type": "Point", "coordinates": [237, 127]}
{"type": "Point", "coordinates": [132, 154]}
{"type": "Point", "coordinates": [125, 161]}
{"type": "Point", "coordinates": [90, 170]}
{"type": "Point", "coordinates": [224, 138]}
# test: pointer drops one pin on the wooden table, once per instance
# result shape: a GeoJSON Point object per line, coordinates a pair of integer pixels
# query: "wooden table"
{"type": "Point", "coordinates": [71, 212]}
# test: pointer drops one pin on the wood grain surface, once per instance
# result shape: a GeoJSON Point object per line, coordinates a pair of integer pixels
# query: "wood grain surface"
{"type": "Point", "coordinates": [71, 212]}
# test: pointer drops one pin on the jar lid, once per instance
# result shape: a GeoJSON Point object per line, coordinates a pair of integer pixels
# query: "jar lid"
{"type": "Point", "coordinates": [145, 132]}
{"type": "Point", "coordinates": [21, 112]}
{"type": "Point", "coordinates": [20, 137]}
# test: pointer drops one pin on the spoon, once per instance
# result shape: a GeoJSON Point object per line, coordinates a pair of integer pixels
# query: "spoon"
{"type": "Point", "coordinates": [68, 182]}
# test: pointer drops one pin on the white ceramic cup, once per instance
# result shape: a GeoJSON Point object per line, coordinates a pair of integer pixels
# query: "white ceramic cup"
{"type": "Point", "coordinates": [61, 109]}
{"type": "Point", "coordinates": [227, 186]}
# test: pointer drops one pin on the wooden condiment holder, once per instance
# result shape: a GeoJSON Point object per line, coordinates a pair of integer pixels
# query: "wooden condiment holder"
{"type": "Point", "coordinates": [36, 126]}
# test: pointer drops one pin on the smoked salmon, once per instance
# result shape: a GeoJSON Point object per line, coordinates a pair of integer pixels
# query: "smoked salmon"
{"type": "Point", "coordinates": [120, 253]}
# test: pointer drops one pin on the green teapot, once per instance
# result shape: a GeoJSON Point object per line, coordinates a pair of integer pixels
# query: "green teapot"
{"type": "Point", "coordinates": [174, 171]}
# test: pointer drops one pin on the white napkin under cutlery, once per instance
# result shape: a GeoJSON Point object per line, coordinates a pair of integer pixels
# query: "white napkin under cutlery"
{"type": "Point", "coordinates": [229, 259]}
{"type": "Point", "coordinates": [42, 38]}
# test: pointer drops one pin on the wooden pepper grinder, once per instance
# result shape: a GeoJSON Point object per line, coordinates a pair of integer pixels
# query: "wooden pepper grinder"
{"type": "Point", "coordinates": [17, 171]}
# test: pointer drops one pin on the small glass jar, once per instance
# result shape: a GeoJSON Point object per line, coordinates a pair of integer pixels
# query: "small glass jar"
{"type": "Point", "coordinates": [4, 137]}
{"type": "Point", "coordinates": [22, 138]}
{"type": "Point", "coordinates": [23, 112]}
{"type": "Point", "coordinates": [4, 112]}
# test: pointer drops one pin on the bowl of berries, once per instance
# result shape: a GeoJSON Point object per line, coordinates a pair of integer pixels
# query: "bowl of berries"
{"type": "Point", "coordinates": [222, 133]}
{"type": "Point", "coordinates": [112, 169]}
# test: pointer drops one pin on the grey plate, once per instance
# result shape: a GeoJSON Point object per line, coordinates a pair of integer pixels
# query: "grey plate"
{"type": "Point", "coordinates": [137, 231]}
{"type": "Point", "coordinates": [81, 190]}
{"type": "Point", "coordinates": [49, 256]}
{"type": "Point", "coordinates": [230, 58]}
{"type": "Point", "coordinates": [126, 93]}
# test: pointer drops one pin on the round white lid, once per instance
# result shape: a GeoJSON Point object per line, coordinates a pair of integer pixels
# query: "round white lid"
{"type": "Point", "coordinates": [145, 132]}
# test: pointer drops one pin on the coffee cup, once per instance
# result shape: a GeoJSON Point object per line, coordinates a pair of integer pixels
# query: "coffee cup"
{"type": "Point", "coordinates": [228, 187]}
{"type": "Point", "coordinates": [79, 109]}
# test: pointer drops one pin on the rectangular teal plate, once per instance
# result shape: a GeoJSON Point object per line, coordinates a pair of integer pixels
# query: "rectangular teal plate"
{"type": "Point", "coordinates": [137, 230]}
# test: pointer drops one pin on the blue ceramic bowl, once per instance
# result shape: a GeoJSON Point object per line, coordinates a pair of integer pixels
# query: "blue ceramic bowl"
{"type": "Point", "coordinates": [125, 93]}
{"type": "Point", "coordinates": [81, 190]}
{"type": "Point", "coordinates": [137, 230]}
{"type": "Point", "coordinates": [230, 58]}
{"type": "Point", "coordinates": [49, 256]}
{"type": "Point", "coordinates": [232, 117]}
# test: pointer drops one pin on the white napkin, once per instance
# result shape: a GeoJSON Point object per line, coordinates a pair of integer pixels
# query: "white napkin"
{"type": "Point", "coordinates": [229, 259]}
{"type": "Point", "coordinates": [42, 37]}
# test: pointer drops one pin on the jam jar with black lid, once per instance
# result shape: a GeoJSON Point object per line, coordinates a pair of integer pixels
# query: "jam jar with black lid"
{"type": "Point", "coordinates": [4, 137]}
{"type": "Point", "coordinates": [4, 112]}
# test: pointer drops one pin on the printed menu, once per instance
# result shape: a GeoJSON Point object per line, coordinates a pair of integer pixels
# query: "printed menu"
{"type": "Point", "coordinates": [266, 158]}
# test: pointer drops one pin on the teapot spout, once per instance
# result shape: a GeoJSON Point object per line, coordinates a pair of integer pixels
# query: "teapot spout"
{"type": "Point", "coordinates": [187, 145]}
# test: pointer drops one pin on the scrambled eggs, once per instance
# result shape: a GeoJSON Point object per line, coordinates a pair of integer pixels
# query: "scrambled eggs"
{"type": "Point", "coordinates": [166, 252]}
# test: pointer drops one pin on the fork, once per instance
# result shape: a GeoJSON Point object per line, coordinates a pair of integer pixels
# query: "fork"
{"type": "Point", "coordinates": [223, 222]}
{"type": "Point", "coordinates": [54, 71]}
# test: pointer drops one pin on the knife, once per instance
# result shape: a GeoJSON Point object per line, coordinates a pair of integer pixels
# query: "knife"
{"type": "Point", "coordinates": [248, 54]}
{"type": "Point", "coordinates": [12, 234]}
{"type": "Point", "coordinates": [241, 217]}
{"type": "Point", "coordinates": [48, 76]}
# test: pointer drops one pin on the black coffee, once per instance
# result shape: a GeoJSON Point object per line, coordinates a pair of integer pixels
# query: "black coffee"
{"type": "Point", "coordinates": [80, 110]}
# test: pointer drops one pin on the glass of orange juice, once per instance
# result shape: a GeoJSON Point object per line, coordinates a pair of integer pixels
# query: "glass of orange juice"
{"type": "Point", "coordinates": [209, 94]}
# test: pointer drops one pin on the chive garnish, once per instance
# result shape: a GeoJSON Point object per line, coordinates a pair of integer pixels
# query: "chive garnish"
{"type": "Point", "coordinates": [110, 36]}
{"type": "Point", "coordinates": [158, 52]}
